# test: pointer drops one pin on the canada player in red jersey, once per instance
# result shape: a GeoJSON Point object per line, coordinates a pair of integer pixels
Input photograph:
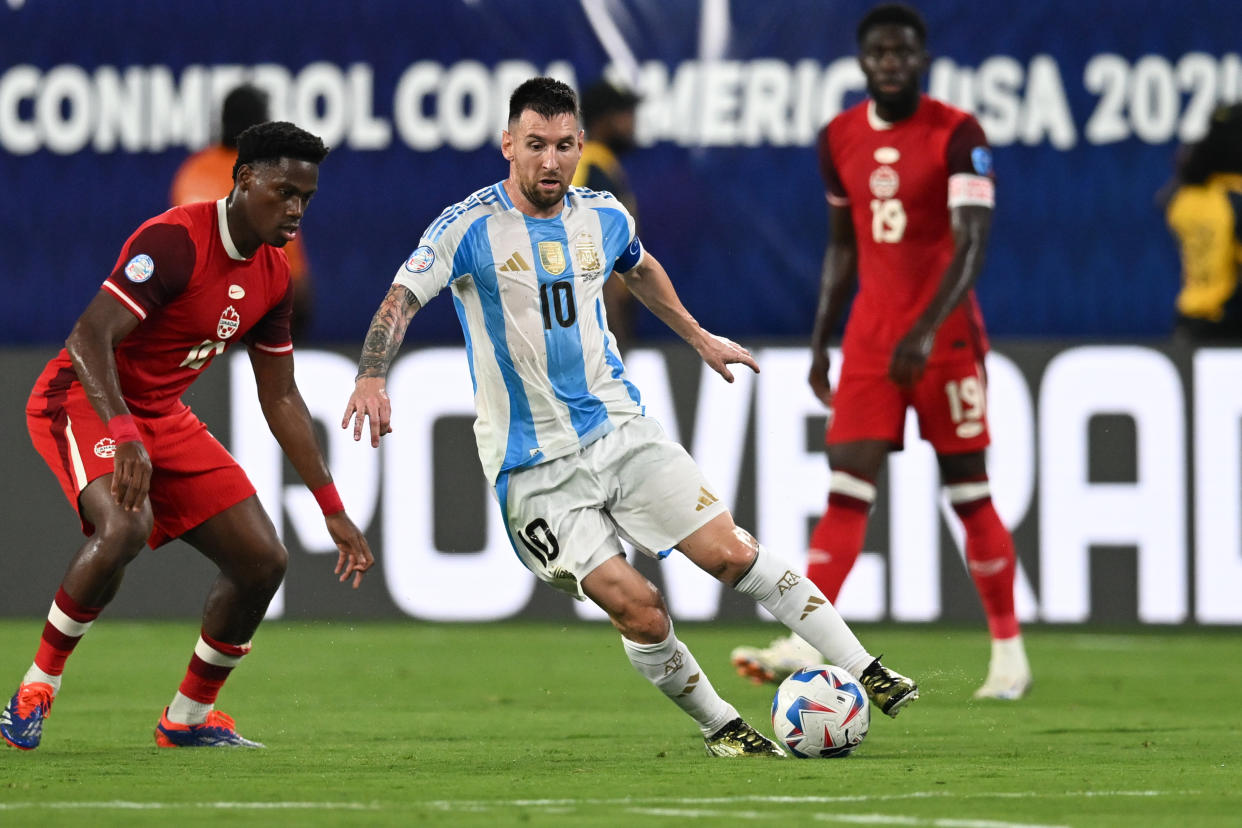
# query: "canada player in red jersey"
{"type": "Point", "coordinates": [910, 188]}
{"type": "Point", "coordinates": [140, 468]}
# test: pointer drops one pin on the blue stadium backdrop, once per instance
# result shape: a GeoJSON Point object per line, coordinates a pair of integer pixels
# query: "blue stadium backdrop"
{"type": "Point", "coordinates": [1085, 101]}
{"type": "Point", "coordinates": [1118, 463]}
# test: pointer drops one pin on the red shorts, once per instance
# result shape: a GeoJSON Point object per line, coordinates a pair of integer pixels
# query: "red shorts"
{"type": "Point", "coordinates": [950, 402]}
{"type": "Point", "coordinates": [193, 477]}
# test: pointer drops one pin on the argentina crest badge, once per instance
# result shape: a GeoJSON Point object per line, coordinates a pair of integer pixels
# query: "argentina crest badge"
{"type": "Point", "coordinates": [588, 255]}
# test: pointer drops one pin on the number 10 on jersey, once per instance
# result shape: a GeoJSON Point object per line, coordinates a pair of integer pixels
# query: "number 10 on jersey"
{"type": "Point", "coordinates": [558, 303]}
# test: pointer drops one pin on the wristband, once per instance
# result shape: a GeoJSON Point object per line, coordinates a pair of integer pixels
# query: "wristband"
{"type": "Point", "coordinates": [328, 499]}
{"type": "Point", "coordinates": [123, 429]}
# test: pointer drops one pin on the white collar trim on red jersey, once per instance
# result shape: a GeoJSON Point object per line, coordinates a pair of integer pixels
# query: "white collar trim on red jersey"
{"type": "Point", "coordinates": [225, 238]}
{"type": "Point", "coordinates": [874, 118]}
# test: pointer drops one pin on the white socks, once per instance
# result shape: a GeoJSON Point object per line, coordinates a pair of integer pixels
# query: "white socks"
{"type": "Point", "coordinates": [798, 604]}
{"type": "Point", "coordinates": [35, 674]}
{"type": "Point", "coordinates": [671, 667]}
{"type": "Point", "coordinates": [184, 710]}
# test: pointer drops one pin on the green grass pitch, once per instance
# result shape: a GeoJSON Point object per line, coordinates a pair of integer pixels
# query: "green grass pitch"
{"type": "Point", "coordinates": [545, 724]}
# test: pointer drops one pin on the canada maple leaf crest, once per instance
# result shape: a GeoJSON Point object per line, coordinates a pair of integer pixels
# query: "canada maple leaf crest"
{"type": "Point", "coordinates": [229, 322]}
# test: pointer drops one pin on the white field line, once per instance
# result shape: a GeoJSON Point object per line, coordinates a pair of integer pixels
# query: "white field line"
{"type": "Point", "coordinates": [122, 805]}
{"type": "Point", "coordinates": [851, 819]}
{"type": "Point", "coordinates": [447, 804]}
{"type": "Point", "coordinates": [653, 805]}
{"type": "Point", "coordinates": [1115, 643]}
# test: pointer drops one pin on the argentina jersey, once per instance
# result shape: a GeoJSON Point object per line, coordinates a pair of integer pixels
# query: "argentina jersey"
{"type": "Point", "coordinates": [529, 295]}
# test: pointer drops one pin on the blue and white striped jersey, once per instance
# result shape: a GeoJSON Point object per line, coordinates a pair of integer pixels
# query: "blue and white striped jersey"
{"type": "Point", "coordinates": [528, 291]}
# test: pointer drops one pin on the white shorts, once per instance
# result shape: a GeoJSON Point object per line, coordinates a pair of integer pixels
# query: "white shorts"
{"type": "Point", "coordinates": [567, 516]}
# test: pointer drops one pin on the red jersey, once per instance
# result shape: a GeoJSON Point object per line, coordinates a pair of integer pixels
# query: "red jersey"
{"type": "Point", "coordinates": [182, 276]}
{"type": "Point", "coordinates": [899, 182]}
{"type": "Point", "coordinates": [207, 175]}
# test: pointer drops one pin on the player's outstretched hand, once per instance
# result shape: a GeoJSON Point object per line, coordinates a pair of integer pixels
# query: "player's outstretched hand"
{"type": "Point", "coordinates": [354, 553]}
{"type": "Point", "coordinates": [369, 401]}
{"type": "Point", "coordinates": [719, 352]}
{"type": "Point", "coordinates": [131, 475]}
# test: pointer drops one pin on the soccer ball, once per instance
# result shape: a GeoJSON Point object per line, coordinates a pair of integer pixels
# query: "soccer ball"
{"type": "Point", "coordinates": [820, 712]}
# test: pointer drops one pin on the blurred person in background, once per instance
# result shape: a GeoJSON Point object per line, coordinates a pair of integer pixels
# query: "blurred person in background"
{"type": "Point", "coordinates": [910, 190]}
{"type": "Point", "coordinates": [1204, 205]}
{"type": "Point", "coordinates": [575, 463]}
{"type": "Point", "coordinates": [608, 119]}
{"type": "Point", "coordinates": [141, 469]}
{"type": "Point", "coordinates": [207, 175]}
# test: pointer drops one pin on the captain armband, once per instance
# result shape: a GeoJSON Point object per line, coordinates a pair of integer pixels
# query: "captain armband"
{"type": "Point", "coordinates": [968, 190]}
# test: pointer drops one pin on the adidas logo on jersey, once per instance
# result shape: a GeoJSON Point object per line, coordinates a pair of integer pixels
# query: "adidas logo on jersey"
{"type": "Point", "coordinates": [706, 499]}
{"type": "Point", "coordinates": [514, 264]}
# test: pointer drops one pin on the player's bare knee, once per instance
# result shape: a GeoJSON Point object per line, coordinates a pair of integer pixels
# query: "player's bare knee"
{"type": "Point", "coordinates": [643, 618]}
{"type": "Point", "coordinates": [263, 570]}
{"type": "Point", "coordinates": [735, 557]}
{"type": "Point", "coordinates": [648, 625]}
{"type": "Point", "coordinates": [123, 534]}
{"type": "Point", "coordinates": [275, 564]}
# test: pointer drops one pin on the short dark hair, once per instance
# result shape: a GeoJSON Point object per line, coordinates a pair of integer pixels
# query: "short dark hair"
{"type": "Point", "coordinates": [275, 140]}
{"type": "Point", "coordinates": [545, 96]}
{"type": "Point", "coordinates": [893, 14]}
{"type": "Point", "coordinates": [604, 97]}
{"type": "Point", "coordinates": [1221, 148]}
{"type": "Point", "coordinates": [244, 107]}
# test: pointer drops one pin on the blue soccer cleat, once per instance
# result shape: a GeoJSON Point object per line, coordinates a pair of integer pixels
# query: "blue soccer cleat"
{"type": "Point", "coordinates": [21, 723]}
{"type": "Point", "coordinates": [218, 731]}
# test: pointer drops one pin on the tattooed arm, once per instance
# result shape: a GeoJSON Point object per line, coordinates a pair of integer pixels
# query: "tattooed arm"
{"type": "Point", "coordinates": [384, 338]}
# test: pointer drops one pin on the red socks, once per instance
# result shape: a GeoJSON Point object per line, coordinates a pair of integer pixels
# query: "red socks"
{"type": "Point", "coordinates": [990, 559]}
{"type": "Point", "coordinates": [67, 622]}
{"type": "Point", "coordinates": [209, 667]}
{"type": "Point", "coordinates": [838, 537]}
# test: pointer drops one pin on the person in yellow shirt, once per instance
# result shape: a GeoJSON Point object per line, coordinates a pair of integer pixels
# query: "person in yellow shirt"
{"type": "Point", "coordinates": [207, 175]}
{"type": "Point", "coordinates": [608, 120]}
{"type": "Point", "coordinates": [1203, 215]}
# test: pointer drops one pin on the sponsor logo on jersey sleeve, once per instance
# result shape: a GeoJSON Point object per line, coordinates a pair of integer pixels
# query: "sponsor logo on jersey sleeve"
{"type": "Point", "coordinates": [230, 320]}
{"type": "Point", "coordinates": [421, 259]}
{"type": "Point", "coordinates": [140, 268]}
{"type": "Point", "coordinates": [981, 157]}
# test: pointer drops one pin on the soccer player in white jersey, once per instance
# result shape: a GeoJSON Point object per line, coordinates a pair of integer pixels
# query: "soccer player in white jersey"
{"type": "Point", "coordinates": [561, 432]}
